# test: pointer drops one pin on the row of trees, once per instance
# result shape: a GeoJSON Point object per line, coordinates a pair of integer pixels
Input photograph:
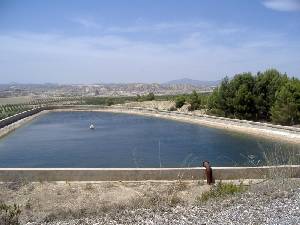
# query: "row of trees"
{"type": "Point", "coordinates": [267, 96]}
{"type": "Point", "coordinates": [12, 109]}
{"type": "Point", "coordinates": [149, 97]}
{"type": "Point", "coordinates": [7, 110]}
{"type": "Point", "coordinates": [122, 99]}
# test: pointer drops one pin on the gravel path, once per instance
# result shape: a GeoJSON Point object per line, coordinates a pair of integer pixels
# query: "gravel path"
{"type": "Point", "coordinates": [264, 204]}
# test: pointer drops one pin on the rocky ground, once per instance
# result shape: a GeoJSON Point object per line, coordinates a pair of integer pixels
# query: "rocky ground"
{"type": "Point", "coordinates": [161, 105]}
{"type": "Point", "coordinates": [268, 202]}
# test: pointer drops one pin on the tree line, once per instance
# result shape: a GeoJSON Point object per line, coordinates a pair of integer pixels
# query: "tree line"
{"type": "Point", "coordinates": [268, 96]}
{"type": "Point", "coordinates": [123, 99]}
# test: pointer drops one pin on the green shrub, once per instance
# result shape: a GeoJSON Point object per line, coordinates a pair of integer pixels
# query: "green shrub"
{"type": "Point", "coordinates": [179, 101]}
{"type": "Point", "coordinates": [221, 190]}
{"type": "Point", "coordinates": [150, 97]}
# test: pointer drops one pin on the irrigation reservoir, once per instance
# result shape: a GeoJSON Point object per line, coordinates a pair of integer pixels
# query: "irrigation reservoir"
{"type": "Point", "coordinates": [63, 139]}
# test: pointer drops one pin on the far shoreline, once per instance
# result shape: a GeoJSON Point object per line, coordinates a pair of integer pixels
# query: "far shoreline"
{"type": "Point", "coordinates": [260, 132]}
{"type": "Point", "coordinates": [281, 136]}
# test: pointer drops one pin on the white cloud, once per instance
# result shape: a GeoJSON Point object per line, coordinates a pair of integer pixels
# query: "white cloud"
{"type": "Point", "coordinates": [282, 5]}
{"type": "Point", "coordinates": [202, 55]}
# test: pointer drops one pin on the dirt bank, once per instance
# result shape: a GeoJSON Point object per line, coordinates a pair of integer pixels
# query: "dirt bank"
{"type": "Point", "coordinates": [42, 201]}
{"type": "Point", "coordinates": [268, 202]}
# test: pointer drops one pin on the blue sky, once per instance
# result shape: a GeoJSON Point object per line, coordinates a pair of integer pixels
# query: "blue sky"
{"type": "Point", "coordinates": [146, 40]}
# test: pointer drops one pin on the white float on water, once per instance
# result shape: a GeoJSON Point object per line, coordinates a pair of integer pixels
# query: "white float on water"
{"type": "Point", "coordinates": [92, 127]}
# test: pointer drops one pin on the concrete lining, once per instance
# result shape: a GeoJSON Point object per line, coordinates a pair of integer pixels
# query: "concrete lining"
{"type": "Point", "coordinates": [139, 174]}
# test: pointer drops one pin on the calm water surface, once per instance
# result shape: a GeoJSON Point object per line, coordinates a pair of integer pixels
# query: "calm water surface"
{"type": "Point", "coordinates": [63, 139]}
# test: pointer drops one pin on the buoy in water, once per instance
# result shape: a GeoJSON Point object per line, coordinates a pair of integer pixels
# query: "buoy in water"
{"type": "Point", "coordinates": [92, 127]}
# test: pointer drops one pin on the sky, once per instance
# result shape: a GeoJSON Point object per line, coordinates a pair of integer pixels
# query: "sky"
{"type": "Point", "coordinates": [116, 41]}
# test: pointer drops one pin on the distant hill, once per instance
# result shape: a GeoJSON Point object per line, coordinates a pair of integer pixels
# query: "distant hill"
{"type": "Point", "coordinates": [197, 83]}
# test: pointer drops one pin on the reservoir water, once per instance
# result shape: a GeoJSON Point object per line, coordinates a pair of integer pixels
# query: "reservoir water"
{"type": "Point", "coordinates": [63, 139]}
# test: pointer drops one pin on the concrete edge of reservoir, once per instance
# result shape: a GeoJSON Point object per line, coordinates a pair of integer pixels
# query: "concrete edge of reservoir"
{"type": "Point", "coordinates": [142, 174]}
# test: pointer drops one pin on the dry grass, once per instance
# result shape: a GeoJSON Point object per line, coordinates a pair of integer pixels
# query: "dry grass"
{"type": "Point", "coordinates": [42, 201]}
{"type": "Point", "coordinates": [279, 157]}
{"type": "Point", "coordinates": [9, 214]}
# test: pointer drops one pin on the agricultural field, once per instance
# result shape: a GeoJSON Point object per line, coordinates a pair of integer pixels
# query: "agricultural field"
{"type": "Point", "coordinates": [15, 100]}
{"type": "Point", "coordinates": [14, 105]}
{"type": "Point", "coordinates": [12, 109]}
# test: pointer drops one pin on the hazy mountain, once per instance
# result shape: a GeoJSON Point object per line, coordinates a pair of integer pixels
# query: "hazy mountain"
{"type": "Point", "coordinates": [197, 83]}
